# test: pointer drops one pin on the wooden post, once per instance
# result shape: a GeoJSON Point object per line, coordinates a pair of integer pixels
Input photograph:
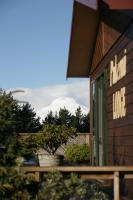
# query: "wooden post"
{"type": "Point", "coordinates": [116, 186]}
{"type": "Point", "coordinates": [37, 176]}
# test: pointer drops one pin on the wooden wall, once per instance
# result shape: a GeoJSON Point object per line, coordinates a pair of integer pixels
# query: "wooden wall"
{"type": "Point", "coordinates": [106, 37]}
{"type": "Point", "coordinates": [111, 26]}
{"type": "Point", "coordinates": [120, 131]}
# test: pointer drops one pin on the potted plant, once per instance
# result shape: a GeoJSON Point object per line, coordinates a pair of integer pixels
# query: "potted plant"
{"type": "Point", "coordinates": [49, 139]}
{"type": "Point", "coordinates": [78, 154]}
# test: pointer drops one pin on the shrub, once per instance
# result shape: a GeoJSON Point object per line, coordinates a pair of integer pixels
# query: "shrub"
{"type": "Point", "coordinates": [77, 153]}
{"type": "Point", "coordinates": [15, 185]}
{"type": "Point", "coordinates": [55, 186]}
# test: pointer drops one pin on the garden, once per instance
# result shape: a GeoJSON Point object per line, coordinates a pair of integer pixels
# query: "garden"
{"type": "Point", "coordinates": [16, 150]}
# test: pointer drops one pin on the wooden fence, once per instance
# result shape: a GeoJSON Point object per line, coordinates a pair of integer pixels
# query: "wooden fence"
{"type": "Point", "coordinates": [87, 172]}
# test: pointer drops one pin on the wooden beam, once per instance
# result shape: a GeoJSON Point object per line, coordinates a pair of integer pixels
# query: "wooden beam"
{"type": "Point", "coordinates": [128, 176]}
{"type": "Point", "coordinates": [83, 169]}
{"type": "Point", "coordinates": [96, 176]}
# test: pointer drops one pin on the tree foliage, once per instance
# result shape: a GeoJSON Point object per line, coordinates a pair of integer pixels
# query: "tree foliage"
{"type": "Point", "coordinates": [51, 137]}
{"type": "Point", "coordinates": [15, 185]}
{"type": "Point", "coordinates": [64, 117]}
{"type": "Point", "coordinates": [51, 118]}
{"type": "Point", "coordinates": [15, 118]}
{"type": "Point", "coordinates": [7, 113]}
{"type": "Point", "coordinates": [55, 186]}
{"type": "Point", "coordinates": [26, 120]}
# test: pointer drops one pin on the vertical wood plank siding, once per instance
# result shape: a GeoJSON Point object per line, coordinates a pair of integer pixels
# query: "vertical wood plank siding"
{"type": "Point", "coordinates": [112, 25]}
{"type": "Point", "coordinates": [106, 37]}
{"type": "Point", "coordinates": [120, 131]}
{"type": "Point", "coordinates": [99, 49]}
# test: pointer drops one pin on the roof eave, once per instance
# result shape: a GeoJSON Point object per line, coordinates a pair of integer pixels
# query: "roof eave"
{"type": "Point", "coordinates": [82, 41]}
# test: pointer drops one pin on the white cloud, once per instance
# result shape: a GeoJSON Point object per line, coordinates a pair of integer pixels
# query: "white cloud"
{"type": "Point", "coordinates": [40, 98]}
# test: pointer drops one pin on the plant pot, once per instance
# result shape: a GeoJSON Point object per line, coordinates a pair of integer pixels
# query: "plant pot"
{"type": "Point", "coordinates": [31, 161]}
{"type": "Point", "coordinates": [49, 160]}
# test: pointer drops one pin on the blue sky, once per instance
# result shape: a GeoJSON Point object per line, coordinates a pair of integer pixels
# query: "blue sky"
{"type": "Point", "coordinates": [34, 45]}
{"type": "Point", "coordinates": [34, 42]}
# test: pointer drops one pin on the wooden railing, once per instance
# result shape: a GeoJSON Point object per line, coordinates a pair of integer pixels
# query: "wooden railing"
{"type": "Point", "coordinates": [87, 172]}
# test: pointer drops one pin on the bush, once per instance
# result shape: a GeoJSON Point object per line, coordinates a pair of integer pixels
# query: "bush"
{"type": "Point", "coordinates": [77, 153]}
{"type": "Point", "coordinates": [15, 185]}
{"type": "Point", "coordinates": [55, 186]}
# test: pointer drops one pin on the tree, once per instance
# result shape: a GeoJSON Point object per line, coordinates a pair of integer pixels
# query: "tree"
{"type": "Point", "coordinates": [77, 120]}
{"type": "Point", "coordinates": [50, 118]}
{"type": "Point", "coordinates": [64, 117]}
{"type": "Point", "coordinates": [80, 121]}
{"type": "Point", "coordinates": [26, 120]}
{"type": "Point", "coordinates": [52, 136]}
{"type": "Point", "coordinates": [7, 113]}
{"type": "Point", "coordinates": [86, 123]}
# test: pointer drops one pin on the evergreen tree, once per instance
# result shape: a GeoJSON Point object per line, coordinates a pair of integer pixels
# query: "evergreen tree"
{"type": "Point", "coordinates": [81, 122]}
{"type": "Point", "coordinates": [7, 122]}
{"type": "Point", "coordinates": [50, 118]}
{"type": "Point", "coordinates": [64, 117]}
{"type": "Point", "coordinates": [78, 119]}
{"type": "Point", "coordinates": [26, 120]}
{"type": "Point", "coordinates": [86, 124]}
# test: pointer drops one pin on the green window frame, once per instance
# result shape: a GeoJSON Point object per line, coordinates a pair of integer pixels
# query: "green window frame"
{"type": "Point", "coordinates": [99, 120]}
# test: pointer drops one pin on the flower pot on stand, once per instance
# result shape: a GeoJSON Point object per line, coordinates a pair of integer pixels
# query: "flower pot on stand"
{"type": "Point", "coordinates": [49, 160]}
{"type": "Point", "coordinates": [48, 140]}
